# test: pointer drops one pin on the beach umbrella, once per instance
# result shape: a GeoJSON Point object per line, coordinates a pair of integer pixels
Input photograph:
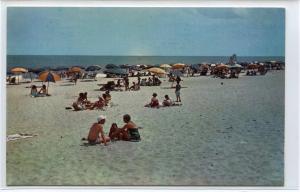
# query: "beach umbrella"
{"type": "Point", "coordinates": [252, 66]}
{"type": "Point", "coordinates": [18, 70]}
{"type": "Point", "coordinates": [116, 71]}
{"type": "Point", "coordinates": [93, 68]}
{"type": "Point", "coordinates": [75, 69]}
{"type": "Point", "coordinates": [178, 66]}
{"type": "Point", "coordinates": [165, 66]}
{"type": "Point", "coordinates": [156, 70]}
{"type": "Point", "coordinates": [111, 66]}
{"type": "Point", "coordinates": [235, 66]}
{"type": "Point", "coordinates": [48, 76]}
{"type": "Point", "coordinates": [222, 66]}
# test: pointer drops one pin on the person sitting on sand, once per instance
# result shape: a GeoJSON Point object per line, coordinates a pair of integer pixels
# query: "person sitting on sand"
{"type": "Point", "coordinates": [84, 99]}
{"type": "Point", "coordinates": [167, 102]}
{"type": "Point", "coordinates": [96, 133]}
{"type": "Point", "coordinates": [154, 101]}
{"type": "Point", "coordinates": [108, 96]}
{"type": "Point", "coordinates": [34, 91]}
{"type": "Point", "coordinates": [43, 91]}
{"type": "Point", "coordinates": [135, 87]}
{"type": "Point", "coordinates": [129, 132]}
{"type": "Point", "coordinates": [79, 104]}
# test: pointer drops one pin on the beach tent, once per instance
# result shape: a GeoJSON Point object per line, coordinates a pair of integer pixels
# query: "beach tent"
{"type": "Point", "coordinates": [48, 76]}
{"type": "Point", "coordinates": [156, 70]}
{"type": "Point", "coordinates": [18, 71]}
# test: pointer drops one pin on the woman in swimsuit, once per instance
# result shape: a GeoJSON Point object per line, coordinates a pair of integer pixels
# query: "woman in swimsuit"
{"type": "Point", "coordinates": [129, 132]}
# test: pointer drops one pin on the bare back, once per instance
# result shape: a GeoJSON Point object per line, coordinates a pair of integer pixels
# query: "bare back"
{"type": "Point", "coordinates": [95, 130]}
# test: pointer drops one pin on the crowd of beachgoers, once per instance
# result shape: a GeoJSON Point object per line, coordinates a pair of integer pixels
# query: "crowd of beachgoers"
{"type": "Point", "coordinates": [144, 76]}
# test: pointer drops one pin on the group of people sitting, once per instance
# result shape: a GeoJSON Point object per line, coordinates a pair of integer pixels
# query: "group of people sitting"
{"type": "Point", "coordinates": [167, 102]}
{"type": "Point", "coordinates": [82, 103]}
{"type": "Point", "coordinates": [154, 81]}
{"type": "Point", "coordinates": [41, 93]}
{"type": "Point", "coordinates": [129, 132]}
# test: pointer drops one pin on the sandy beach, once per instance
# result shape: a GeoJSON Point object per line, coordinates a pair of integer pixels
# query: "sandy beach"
{"type": "Point", "coordinates": [222, 135]}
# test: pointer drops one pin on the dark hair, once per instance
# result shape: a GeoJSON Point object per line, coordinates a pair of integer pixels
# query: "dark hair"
{"type": "Point", "coordinates": [104, 96]}
{"type": "Point", "coordinates": [107, 91]}
{"type": "Point", "coordinates": [167, 96]}
{"type": "Point", "coordinates": [126, 118]}
{"type": "Point", "coordinates": [33, 87]}
{"type": "Point", "coordinates": [44, 86]}
{"type": "Point", "coordinates": [154, 94]}
{"type": "Point", "coordinates": [80, 94]}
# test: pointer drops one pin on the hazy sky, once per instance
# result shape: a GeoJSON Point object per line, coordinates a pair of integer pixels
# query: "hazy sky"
{"type": "Point", "coordinates": [146, 31]}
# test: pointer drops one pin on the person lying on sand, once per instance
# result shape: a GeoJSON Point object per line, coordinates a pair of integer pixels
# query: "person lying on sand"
{"type": "Point", "coordinates": [96, 133]}
{"type": "Point", "coordinates": [167, 102]}
{"type": "Point", "coordinates": [129, 132]}
{"type": "Point", "coordinates": [154, 101]}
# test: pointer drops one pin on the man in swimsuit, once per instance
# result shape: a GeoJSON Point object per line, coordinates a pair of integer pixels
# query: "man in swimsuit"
{"type": "Point", "coordinates": [96, 134]}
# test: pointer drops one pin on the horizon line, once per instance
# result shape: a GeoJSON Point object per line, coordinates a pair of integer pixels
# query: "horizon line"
{"type": "Point", "coordinates": [154, 55]}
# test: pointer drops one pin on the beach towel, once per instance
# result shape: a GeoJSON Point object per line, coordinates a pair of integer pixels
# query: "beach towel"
{"type": "Point", "coordinates": [19, 136]}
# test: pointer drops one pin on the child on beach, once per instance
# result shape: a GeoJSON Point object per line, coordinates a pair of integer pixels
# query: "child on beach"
{"type": "Point", "coordinates": [129, 132]}
{"type": "Point", "coordinates": [167, 102]}
{"type": "Point", "coordinates": [96, 133]}
{"type": "Point", "coordinates": [177, 92]}
{"type": "Point", "coordinates": [154, 101]}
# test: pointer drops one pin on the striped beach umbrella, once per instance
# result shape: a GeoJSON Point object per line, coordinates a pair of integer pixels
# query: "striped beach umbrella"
{"type": "Point", "coordinates": [48, 76]}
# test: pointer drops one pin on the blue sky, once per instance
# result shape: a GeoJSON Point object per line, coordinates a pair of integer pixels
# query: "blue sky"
{"type": "Point", "coordinates": [146, 31]}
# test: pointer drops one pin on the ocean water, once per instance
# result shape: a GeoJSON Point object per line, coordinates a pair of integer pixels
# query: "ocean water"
{"type": "Point", "coordinates": [53, 61]}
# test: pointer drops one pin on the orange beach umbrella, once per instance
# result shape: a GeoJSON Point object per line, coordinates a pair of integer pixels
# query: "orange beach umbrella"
{"type": "Point", "coordinates": [75, 69]}
{"type": "Point", "coordinates": [178, 66]}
